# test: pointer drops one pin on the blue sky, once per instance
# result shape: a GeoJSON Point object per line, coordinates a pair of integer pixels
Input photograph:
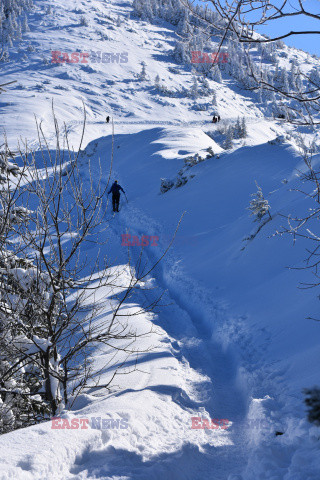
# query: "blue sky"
{"type": "Point", "coordinates": [309, 43]}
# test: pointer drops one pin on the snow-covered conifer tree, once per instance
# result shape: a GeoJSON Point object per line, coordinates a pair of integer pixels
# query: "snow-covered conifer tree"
{"type": "Point", "coordinates": [243, 128]}
{"type": "Point", "coordinates": [25, 26]}
{"type": "Point", "coordinates": [237, 129]}
{"type": "Point", "coordinates": [194, 90]}
{"type": "Point", "coordinates": [259, 206]}
{"type": "Point", "coordinates": [143, 73]}
{"type": "Point", "coordinates": [215, 74]}
{"type": "Point", "coordinates": [315, 76]}
{"type": "Point", "coordinates": [18, 34]}
{"type": "Point", "coordinates": [206, 90]}
{"type": "Point", "coordinates": [228, 142]}
{"type": "Point", "coordinates": [181, 52]}
{"type": "Point", "coordinates": [157, 82]}
{"type": "Point", "coordinates": [214, 98]}
{"type": "Point", "coordinates": [183, 25]}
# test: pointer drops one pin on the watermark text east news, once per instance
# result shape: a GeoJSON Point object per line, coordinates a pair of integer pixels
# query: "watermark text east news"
{"type": "Point", "coordinates": [214, 57]}
{"type": "Point", "coordinates": [85, 57]}
{"type": "Point", "coordinates": [58, 423]}
{"type": "Point", "coordinates": [198, 423]}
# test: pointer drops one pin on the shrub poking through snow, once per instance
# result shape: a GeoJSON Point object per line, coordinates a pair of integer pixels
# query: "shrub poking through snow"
{"type": "Point", "coordinates": [83, 21]}
{"type": "Point", "coordinates": [312, 401]}
{"type": "Point", "coordinates": [166, 185]}
{"type": "Point", "coordinates": [181, 180]}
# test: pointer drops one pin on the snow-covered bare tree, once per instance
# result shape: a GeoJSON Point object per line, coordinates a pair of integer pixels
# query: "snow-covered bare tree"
{"type": "Point", "coordinates": [2, 89]}
{"type": "Point", "coordinates": [20, 402]}
{"type": "Point", "coordinates": [48, 284]}
{"type": "Point", "coordinates": [305, 225]}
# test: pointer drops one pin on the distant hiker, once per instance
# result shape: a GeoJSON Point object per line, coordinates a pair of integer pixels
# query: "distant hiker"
{"type": "Point", "coordinates": [115, 189]}
{"type": "Point", "coordinates": [218, 118]}
{"type": "Point", "coordinates": [108, 119]}
{"type": "Point", "coordinates": [214, 119]}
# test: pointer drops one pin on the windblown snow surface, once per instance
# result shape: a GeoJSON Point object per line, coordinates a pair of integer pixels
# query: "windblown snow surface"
{"type": "Point", "coordinates": [232, 340]}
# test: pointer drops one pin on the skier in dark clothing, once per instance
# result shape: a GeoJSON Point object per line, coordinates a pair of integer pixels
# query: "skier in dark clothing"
{"type": "Point", "coordinates": [115, 190]}
{"type": "Point", "coordinates": [108, 119]}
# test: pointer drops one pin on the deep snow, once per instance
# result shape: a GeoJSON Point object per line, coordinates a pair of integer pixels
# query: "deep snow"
{"type": "Point", "coordinates": [233, 341]}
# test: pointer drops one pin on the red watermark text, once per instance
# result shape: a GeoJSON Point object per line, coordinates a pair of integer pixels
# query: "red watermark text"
{"type": "Point", "coordinates": [203, 57]}
{"type": "Point", "coordinates": [198, 423]}
{"type": "Point", "coordinates": [128, 240]}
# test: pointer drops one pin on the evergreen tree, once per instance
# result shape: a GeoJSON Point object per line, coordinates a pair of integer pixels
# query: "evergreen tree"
{"type": "Point", "coordinates": [214, 98]}
{"type": "Point", "coordinates": [243, 128]}
{"type": "Point", "coordinates": [194, 90]}
{"type": "Point", "coordinates": [315, 77]}
{"type": "Point", "coordinates": [237, 129]}
{"type": "Point", "coordinates": [299, 83]}
{"type": "Point", "coordinates": [157, 82]}
{"type": "Point", "coordinates": [10, 19]}
{"type": "Point", "coordinates": [206, 90]}
{"type": "Point", "coordinates": [143, 73]}
{"type": "Point", "coordinates": [215, 74]}
{"type": "Point", "coordinates": [25, 26]}
{"type": "Point", "coordinates": [10, 26]}
{"type": "Point", "coordinates": [228, 142]}
{"type": "Point", "coordinates": [181, 52]}
{"type": "Point", "coordinates": [183, 25]}
{"type": "Point", "coordinates": [284, 80]}
{"type": "Point", "coordinates": [259, 206]}
{"type": "Point", "coordinates": [18, 34]}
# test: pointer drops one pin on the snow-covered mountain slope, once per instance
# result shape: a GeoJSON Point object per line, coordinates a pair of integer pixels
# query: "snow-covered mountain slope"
{"type": "Point", "coordinates": [232, 341]}
{"type": "Point", "coordinates": [106, 88]}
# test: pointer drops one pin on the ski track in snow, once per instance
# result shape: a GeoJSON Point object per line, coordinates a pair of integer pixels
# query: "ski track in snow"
{"type": "Point", "coordinates": [224, 396]}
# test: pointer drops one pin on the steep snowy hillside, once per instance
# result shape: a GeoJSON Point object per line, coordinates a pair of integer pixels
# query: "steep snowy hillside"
{"type": "Point", "coordinates": [108, 87]}
{"type": "Point", "coordinates": [231, 341]}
